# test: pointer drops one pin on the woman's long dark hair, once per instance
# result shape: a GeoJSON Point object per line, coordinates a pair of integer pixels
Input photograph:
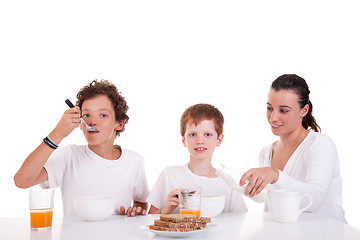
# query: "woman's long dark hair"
{"type": "Point", "coordinates": [299, 86]}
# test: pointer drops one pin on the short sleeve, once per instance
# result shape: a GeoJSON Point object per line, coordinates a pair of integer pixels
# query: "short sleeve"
{"type": "Point", "coordinates": [141, 185]}
{"type": "Point", "coordinates": [55, 168]}
{"type": "Point", "coordinates": [157, 192]}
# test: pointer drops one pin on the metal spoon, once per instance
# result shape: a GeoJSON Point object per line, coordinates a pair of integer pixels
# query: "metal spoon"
{"type": "Point", "coordinates": [88, 128]}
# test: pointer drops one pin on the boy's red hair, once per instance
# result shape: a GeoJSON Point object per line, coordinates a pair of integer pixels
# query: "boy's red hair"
{"type": "Point", "coordinates": [198, 112]}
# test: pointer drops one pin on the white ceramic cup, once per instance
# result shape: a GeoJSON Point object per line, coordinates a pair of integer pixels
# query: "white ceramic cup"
{"type": "Point", "coordinates": [285, 205]}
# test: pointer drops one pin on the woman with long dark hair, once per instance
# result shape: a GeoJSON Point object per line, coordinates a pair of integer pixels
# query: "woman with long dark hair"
{"type": "Point", "coordinates": [302, 159]}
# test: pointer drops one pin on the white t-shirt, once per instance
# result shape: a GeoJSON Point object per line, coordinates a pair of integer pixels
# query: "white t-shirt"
{"type": "Point", "coordinates": [313, 168]}
{"type": "Point", "coordinates": [179, 176]}
{"type": "Point", "coordinates": [78, 172]}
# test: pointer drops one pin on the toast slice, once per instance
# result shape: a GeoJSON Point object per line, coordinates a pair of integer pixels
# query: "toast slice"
{"type": "Point", "coordinates": [161, 223]}
{"type": "Point", "coordinates": [175, 229]}
{"type": "Point", "coordinates": [203, 220]}
{"type": "Point", "coordinates": [179, 223]}
{"type": "Point", "coordinates": [177, 218]}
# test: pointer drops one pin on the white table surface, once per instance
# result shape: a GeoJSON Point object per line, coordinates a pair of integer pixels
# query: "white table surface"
{"type": "Point", "coordinates": [227, 226]}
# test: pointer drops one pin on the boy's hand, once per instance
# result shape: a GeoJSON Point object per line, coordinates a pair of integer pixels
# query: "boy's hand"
{"type": "Point", "coordinates": [68, 122]}
{"type": "Point", "coordinates": [172, 202]}
{"type": "Point", "coordinates": [132, 211]}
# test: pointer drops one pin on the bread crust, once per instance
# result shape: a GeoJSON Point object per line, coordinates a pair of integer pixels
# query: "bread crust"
{"type": "Point", "coordinates": [179, 223]}
{"type": "Point", "coordinates": [175, 229]}
{"type": "Point", "coordinates": [161, 223]}
{"type": "Point", "coordinates": [177, 218]}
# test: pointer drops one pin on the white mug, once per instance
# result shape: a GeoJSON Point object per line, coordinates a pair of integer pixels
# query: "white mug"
{"type": "Point", "coordinates": [285, 205]}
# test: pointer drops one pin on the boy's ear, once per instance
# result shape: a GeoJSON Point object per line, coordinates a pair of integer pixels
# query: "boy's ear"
{"type": "Point", "coordinates": [183, 141]}
{"type": "Point", "coordinates": [220, 139]}
{"type": "Point", "coordinates": [119, 125]}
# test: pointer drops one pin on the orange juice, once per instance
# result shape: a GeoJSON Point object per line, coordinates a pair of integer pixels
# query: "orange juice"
{"type": "Point", "coordinates": [190, 211]}
{"type": "Point", "coordinates": [41, 218]}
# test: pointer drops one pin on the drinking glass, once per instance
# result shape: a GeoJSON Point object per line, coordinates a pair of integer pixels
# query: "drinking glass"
{"type": "Point", "coordinates": [41, 203]}
{"type": "Point", "coordinates": [190, 200]}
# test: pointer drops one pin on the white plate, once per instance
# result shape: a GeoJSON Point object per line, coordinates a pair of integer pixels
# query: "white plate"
{"type": "Point", "coordinates": [177, 234]}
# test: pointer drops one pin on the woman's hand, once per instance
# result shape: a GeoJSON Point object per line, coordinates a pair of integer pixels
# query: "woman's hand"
{"type": "Point", "coordinates": [172, 202]}
{"type": "Point", "coordinates": [257, 179]}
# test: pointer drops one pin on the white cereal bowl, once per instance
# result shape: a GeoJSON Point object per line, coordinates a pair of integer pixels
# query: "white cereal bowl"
{"type": "Point", "coordinates": [94, 208]}
{"type": "Point", "coordinates": [212, 205]}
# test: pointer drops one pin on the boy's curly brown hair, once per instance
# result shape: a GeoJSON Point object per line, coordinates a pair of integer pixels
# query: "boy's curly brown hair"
{"type": "Point", "coordinates": [104, 87]}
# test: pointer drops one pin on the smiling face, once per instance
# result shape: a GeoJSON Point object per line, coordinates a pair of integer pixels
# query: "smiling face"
{"type": "Point", "coordinates": [99, 113]}
{"type": "Point", "coordinates": [201, 139]}
{"type": "Point", "coordinates": [284, 113]}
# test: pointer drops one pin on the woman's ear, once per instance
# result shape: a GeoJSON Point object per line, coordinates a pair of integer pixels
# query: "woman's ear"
{"type": "Point", "coordinates": [305, 110]}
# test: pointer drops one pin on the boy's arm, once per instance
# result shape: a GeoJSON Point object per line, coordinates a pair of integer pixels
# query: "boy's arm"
{"type": "Point", "coordinates": [171, 204]}
{"type": "Point", "coordinates": [154, 210]}
{"type": "Point", "coordinates": [32, 171]}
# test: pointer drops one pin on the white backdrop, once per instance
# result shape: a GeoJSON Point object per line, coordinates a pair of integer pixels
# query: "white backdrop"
{"type": "Point", "coordinates": [167, 55]}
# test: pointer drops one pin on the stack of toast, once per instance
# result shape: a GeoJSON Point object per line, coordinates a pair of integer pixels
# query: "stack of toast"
{"type": "Point", "coordinates": [179, 223]}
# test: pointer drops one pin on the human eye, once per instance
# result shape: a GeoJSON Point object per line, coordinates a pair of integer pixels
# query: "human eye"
{"type": "Point", "coordinates": [192, 135]}
{"type": "Point", "coordinates": [269, 108]}
{"type": "Point", "coordinates": [85, 115]}
{"type": "Point", "coordinates": [103, 115]}
{"type": "Point", "coordinates": [283, 110]}
{"type": "Point", "coordinates": [208, 134]}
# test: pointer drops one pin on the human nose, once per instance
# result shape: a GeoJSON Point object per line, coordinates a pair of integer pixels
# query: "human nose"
{"type": "Point", "coordinates": [91, 121]}
{"type": "Point", "coordinates": [199, 140]}
{"type": "Point", "coordinates": [274, 116]}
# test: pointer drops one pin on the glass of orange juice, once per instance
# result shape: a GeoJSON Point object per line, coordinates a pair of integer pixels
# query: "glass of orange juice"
{"type": "Point", "coordinates": [41, 203]}
{"type": "Point", "coordinates": [190, 200]}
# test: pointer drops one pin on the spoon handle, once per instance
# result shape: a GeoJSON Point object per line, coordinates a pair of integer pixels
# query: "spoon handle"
{"type": "Point", "coordinates": [67, 101]}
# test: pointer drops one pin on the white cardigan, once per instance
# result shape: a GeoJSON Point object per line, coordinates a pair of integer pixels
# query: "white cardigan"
{"type": "Point", "coordinates": [313, 168]}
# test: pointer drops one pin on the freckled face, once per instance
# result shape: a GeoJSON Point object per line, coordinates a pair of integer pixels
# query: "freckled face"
{"type": "Point", "coordinates": [283, 111]}
{"type": "Point", "coordinates": [201, 139]}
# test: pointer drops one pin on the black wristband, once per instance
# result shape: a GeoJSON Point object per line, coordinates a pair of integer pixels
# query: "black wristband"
{"type": "Point", "coordinates": [50, 143]}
